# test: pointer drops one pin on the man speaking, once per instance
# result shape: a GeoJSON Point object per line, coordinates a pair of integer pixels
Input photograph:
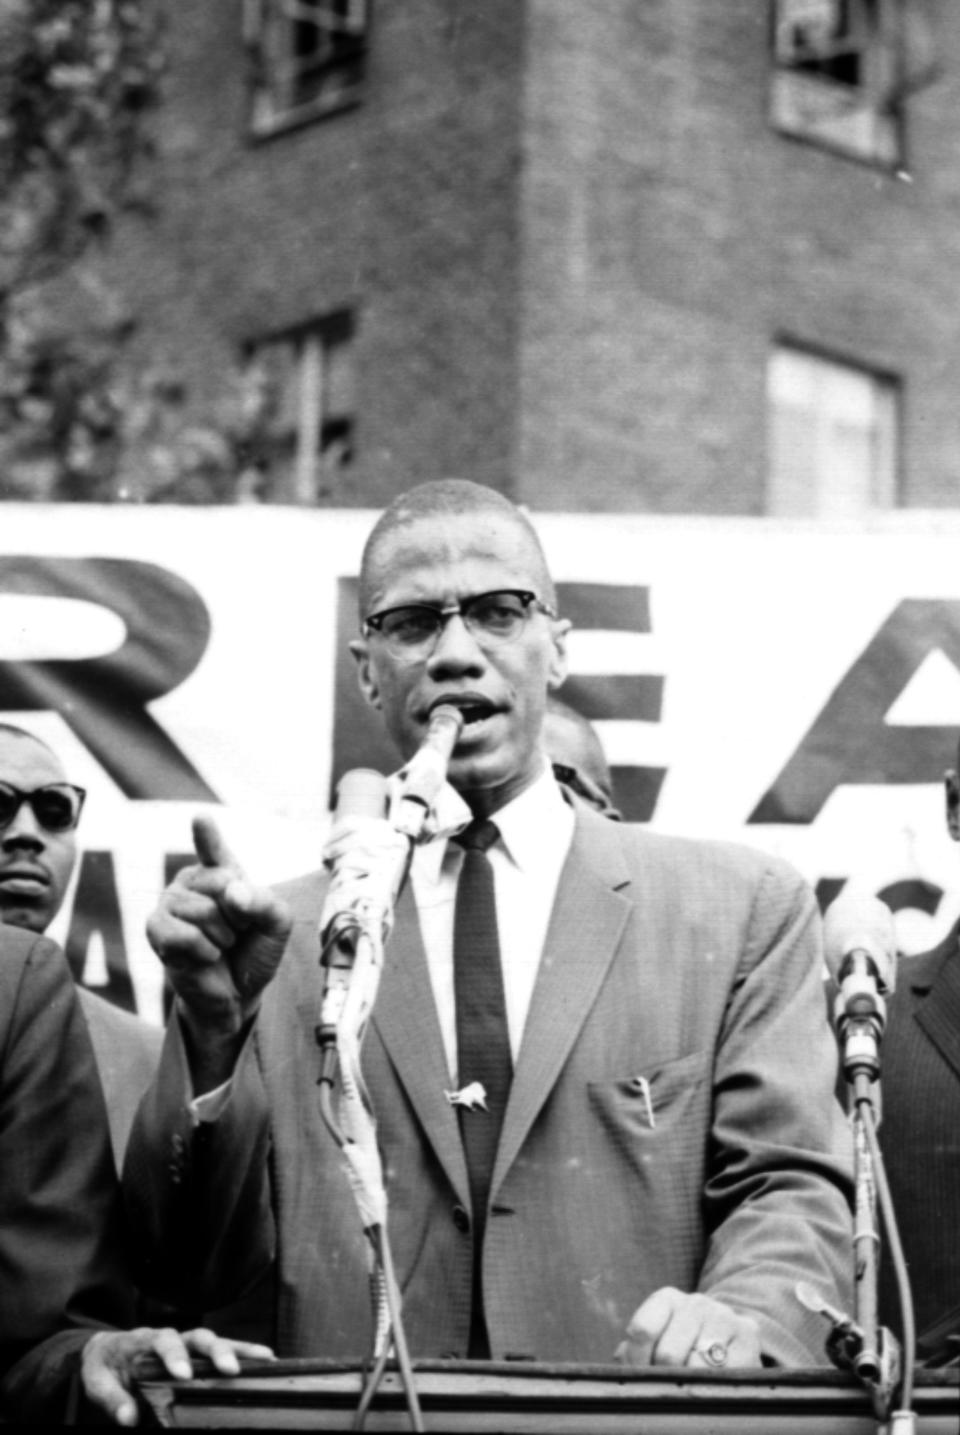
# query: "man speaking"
{"type": "Point", "coordinates": [657, 1158]}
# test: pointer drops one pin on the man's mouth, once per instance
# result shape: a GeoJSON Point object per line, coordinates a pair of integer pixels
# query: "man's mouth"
{"type": "Point", "coordinates": [24, 881]}
{"type": "Point", "coordinates": [474, 707]}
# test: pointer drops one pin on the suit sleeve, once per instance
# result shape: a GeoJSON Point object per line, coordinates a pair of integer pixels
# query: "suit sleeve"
{"type": "Point", "coordinates": [61, 1246]}
{"type": "Point", "coordinates": [198, 1195]}
{"type": "Point", "coordinates": [778, 1192]}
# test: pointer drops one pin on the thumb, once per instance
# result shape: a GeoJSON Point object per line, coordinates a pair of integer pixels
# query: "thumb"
{"type": "Point", "coordinates": [104, 1371]}
{"type": "Point", "coordinates": [211, 846]}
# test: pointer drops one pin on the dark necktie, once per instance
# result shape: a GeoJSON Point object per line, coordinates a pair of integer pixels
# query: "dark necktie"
{"type": "Point", "coordinates": [483, 1044]}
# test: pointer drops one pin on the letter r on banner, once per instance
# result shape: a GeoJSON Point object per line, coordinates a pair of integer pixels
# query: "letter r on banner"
{"type": "Point", "coordinates": [103, 700]}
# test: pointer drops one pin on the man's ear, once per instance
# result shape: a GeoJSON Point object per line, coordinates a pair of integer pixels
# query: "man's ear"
{"type": "Point", "coordinates": [365, 674]}
{"type": "Point", "coordinates": [951, 787]}
{"type": "Point", "coordinates": [558, 658]}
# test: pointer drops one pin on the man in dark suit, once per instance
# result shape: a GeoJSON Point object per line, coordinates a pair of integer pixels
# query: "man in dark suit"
{"type": "Point", "coordinates": [920, 1129]}
{"type": "Point", "coordinates": [664, 1156]}
{"type": "Point", "coordinates": [60, 1254]}
{"type": "Point", "coordinates": [63, 1281]}
{"type": "Point", "coordinates": [39, 812]}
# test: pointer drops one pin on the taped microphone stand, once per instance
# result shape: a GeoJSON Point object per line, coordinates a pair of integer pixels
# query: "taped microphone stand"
{"type": "Point", "coordinates": [357, 920]}
{"type": "Point", "coordinates": [860, 953]}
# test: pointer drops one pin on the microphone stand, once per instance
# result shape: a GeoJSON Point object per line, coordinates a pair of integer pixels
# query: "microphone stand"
{"type": "Point", "coordinates": [875, 1355]}
{"type": "Point", "coordinates": [862, 1345]}
{"type": "Point", "coordinates": [352, 956]}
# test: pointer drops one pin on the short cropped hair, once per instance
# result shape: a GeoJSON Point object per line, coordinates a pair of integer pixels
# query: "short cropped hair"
{"type": "Point", "coordinates": [444, 497]}
{"type": "Point", "coordinates": [12, 730]}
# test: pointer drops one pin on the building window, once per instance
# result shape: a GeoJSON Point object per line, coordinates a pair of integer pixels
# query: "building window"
{"type": "Point", "coordinates": [300, 401]}
{"type": "Point", "coordinates": [837, 75]}
{"type": "Point", "coordinates": [307, 58]}
{"type": "Point", "coordinates": [832, 440]}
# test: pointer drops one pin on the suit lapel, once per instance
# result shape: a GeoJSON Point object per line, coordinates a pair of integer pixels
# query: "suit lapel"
{"type": "Point", "coordinates": [405, 1017]}
{"type": "Point", "coordinates": [585, 928]}
{"type": "Point", "coordinates": [938, 1015]}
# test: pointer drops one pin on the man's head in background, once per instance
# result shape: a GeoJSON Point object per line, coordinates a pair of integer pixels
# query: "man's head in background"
{"type": "Point", "coordinates": [951, 784]}
{"type": "Point", "coordinates": [578, 759]}
{"type": "Point", "coordinates": [39, 811]}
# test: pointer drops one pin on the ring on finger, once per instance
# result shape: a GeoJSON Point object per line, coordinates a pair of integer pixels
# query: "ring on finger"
{"type": "Point", "coordinates": [715, 1354]}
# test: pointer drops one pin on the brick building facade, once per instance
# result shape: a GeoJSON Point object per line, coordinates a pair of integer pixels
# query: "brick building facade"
{"type": "Point", "coordinates": [606, 257]}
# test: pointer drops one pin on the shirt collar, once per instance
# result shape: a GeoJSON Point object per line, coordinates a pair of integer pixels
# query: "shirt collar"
{"type": "Point", "coordinates": [537, 821]}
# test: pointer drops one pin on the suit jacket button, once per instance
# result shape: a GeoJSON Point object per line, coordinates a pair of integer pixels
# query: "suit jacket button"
{"type": "Point", "coordinates": [461, 1219]}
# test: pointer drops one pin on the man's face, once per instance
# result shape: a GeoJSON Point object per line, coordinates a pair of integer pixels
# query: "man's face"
{"type": "Point", "coordinates": [502, 690]}
{"type": "Point", "coordinates": [35, 865]}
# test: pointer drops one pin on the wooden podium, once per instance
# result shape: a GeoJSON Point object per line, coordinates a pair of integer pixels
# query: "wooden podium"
{"type": "Point", "coordinates": [524, 1399]}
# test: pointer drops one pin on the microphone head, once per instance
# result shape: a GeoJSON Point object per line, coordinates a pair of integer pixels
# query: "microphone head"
{"type": "Point", "coordinates": [361, 792]}
{"type": "Point", "coordinates": [445, 726]}
{"type": "Point", "coordinates": [859, 923]}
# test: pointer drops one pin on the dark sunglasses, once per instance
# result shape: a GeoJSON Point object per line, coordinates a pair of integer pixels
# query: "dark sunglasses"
{"type": "Point", "coordinates": [56, 807]}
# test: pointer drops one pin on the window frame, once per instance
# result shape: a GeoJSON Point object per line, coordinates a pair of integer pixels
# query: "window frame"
{"type": "Point", "coordinates": [886, 477]}
{"type": "Point", "coordinates": [878, 98]}
{"type": "Point", "coordinates": [268, 115]}
{"type": "Point", "coordinates": [318, 425]}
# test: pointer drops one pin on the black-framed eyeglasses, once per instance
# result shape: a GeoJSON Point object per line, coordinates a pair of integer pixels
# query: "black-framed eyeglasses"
{"type": "Point", "coordinates": [412, 631]}
{"type": "Point", "coordinates": [57, 806]}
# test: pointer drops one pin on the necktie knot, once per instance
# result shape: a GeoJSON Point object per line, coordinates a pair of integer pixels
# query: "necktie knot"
{"type": "Point", "coordinates": [479, 836]}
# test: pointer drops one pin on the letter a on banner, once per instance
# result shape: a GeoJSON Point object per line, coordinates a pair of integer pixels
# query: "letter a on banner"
{"type": "Point", "coordinates": [96, 914]}
{"type": "Point", "coordinates": [851, 741]}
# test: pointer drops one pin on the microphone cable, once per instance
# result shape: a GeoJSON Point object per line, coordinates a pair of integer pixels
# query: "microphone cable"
{"type": "Point", "coordinates": [353, 1129]}
{"type": "Point", "coordinates": [903, 1419]}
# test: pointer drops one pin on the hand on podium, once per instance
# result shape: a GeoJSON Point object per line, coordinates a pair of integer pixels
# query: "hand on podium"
{"type": "Point", "coordinates": [109, 1356]}
{"type": "Point", "coordinates": [675, 1327]}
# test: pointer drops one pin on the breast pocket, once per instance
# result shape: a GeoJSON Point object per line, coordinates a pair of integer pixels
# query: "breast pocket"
{"type": "Point", "coordinates": [655, 1124]}
{"type": "Point", "coordinates": [661, 1114]}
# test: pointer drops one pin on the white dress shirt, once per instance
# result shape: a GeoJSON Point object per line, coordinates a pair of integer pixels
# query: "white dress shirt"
{"type": "Point", "coordinates": [536, 830]}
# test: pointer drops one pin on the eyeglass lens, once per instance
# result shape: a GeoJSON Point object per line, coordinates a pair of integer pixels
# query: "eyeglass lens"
{"type": "Point", "coordinates": [491, 617]}
{"type": "Point", "coordinates": [56, 807]}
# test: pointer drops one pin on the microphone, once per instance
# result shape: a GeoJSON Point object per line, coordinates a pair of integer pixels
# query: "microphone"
{"type": "Point", "coordinates": [365, 890]}
{"type": "Point", "coordinates": [426, 772]}
{"type": "Point", "coordinates": [860, 949]}
{"type": "Point", "coordinates": [362, 792]}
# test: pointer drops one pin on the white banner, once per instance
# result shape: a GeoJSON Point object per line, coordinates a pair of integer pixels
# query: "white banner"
{"type": "Point", "coordinates": [794, 687]}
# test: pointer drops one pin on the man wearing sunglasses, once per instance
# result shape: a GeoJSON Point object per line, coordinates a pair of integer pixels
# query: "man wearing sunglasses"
{"type": "Point", "coordinates": [39, 813]}
{"type": "Point", "coordinates": [623, 1140]}
{"type": "Point", "coordinates": [66, 1284]}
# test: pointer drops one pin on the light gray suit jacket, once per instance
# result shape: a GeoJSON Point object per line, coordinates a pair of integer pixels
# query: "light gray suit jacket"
{"type": "Point", "coordinates": [692, 965]}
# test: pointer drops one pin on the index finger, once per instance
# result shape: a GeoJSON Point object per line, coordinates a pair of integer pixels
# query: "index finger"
{"type": "Point", "coordinates": [211, 846]}
{"type": "Point", "coordinates": [169, 1346]}
{"type": "Point", "coordinates": [646, 1327]}
{"type": "Point", "coordinates": [225, 1354]}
